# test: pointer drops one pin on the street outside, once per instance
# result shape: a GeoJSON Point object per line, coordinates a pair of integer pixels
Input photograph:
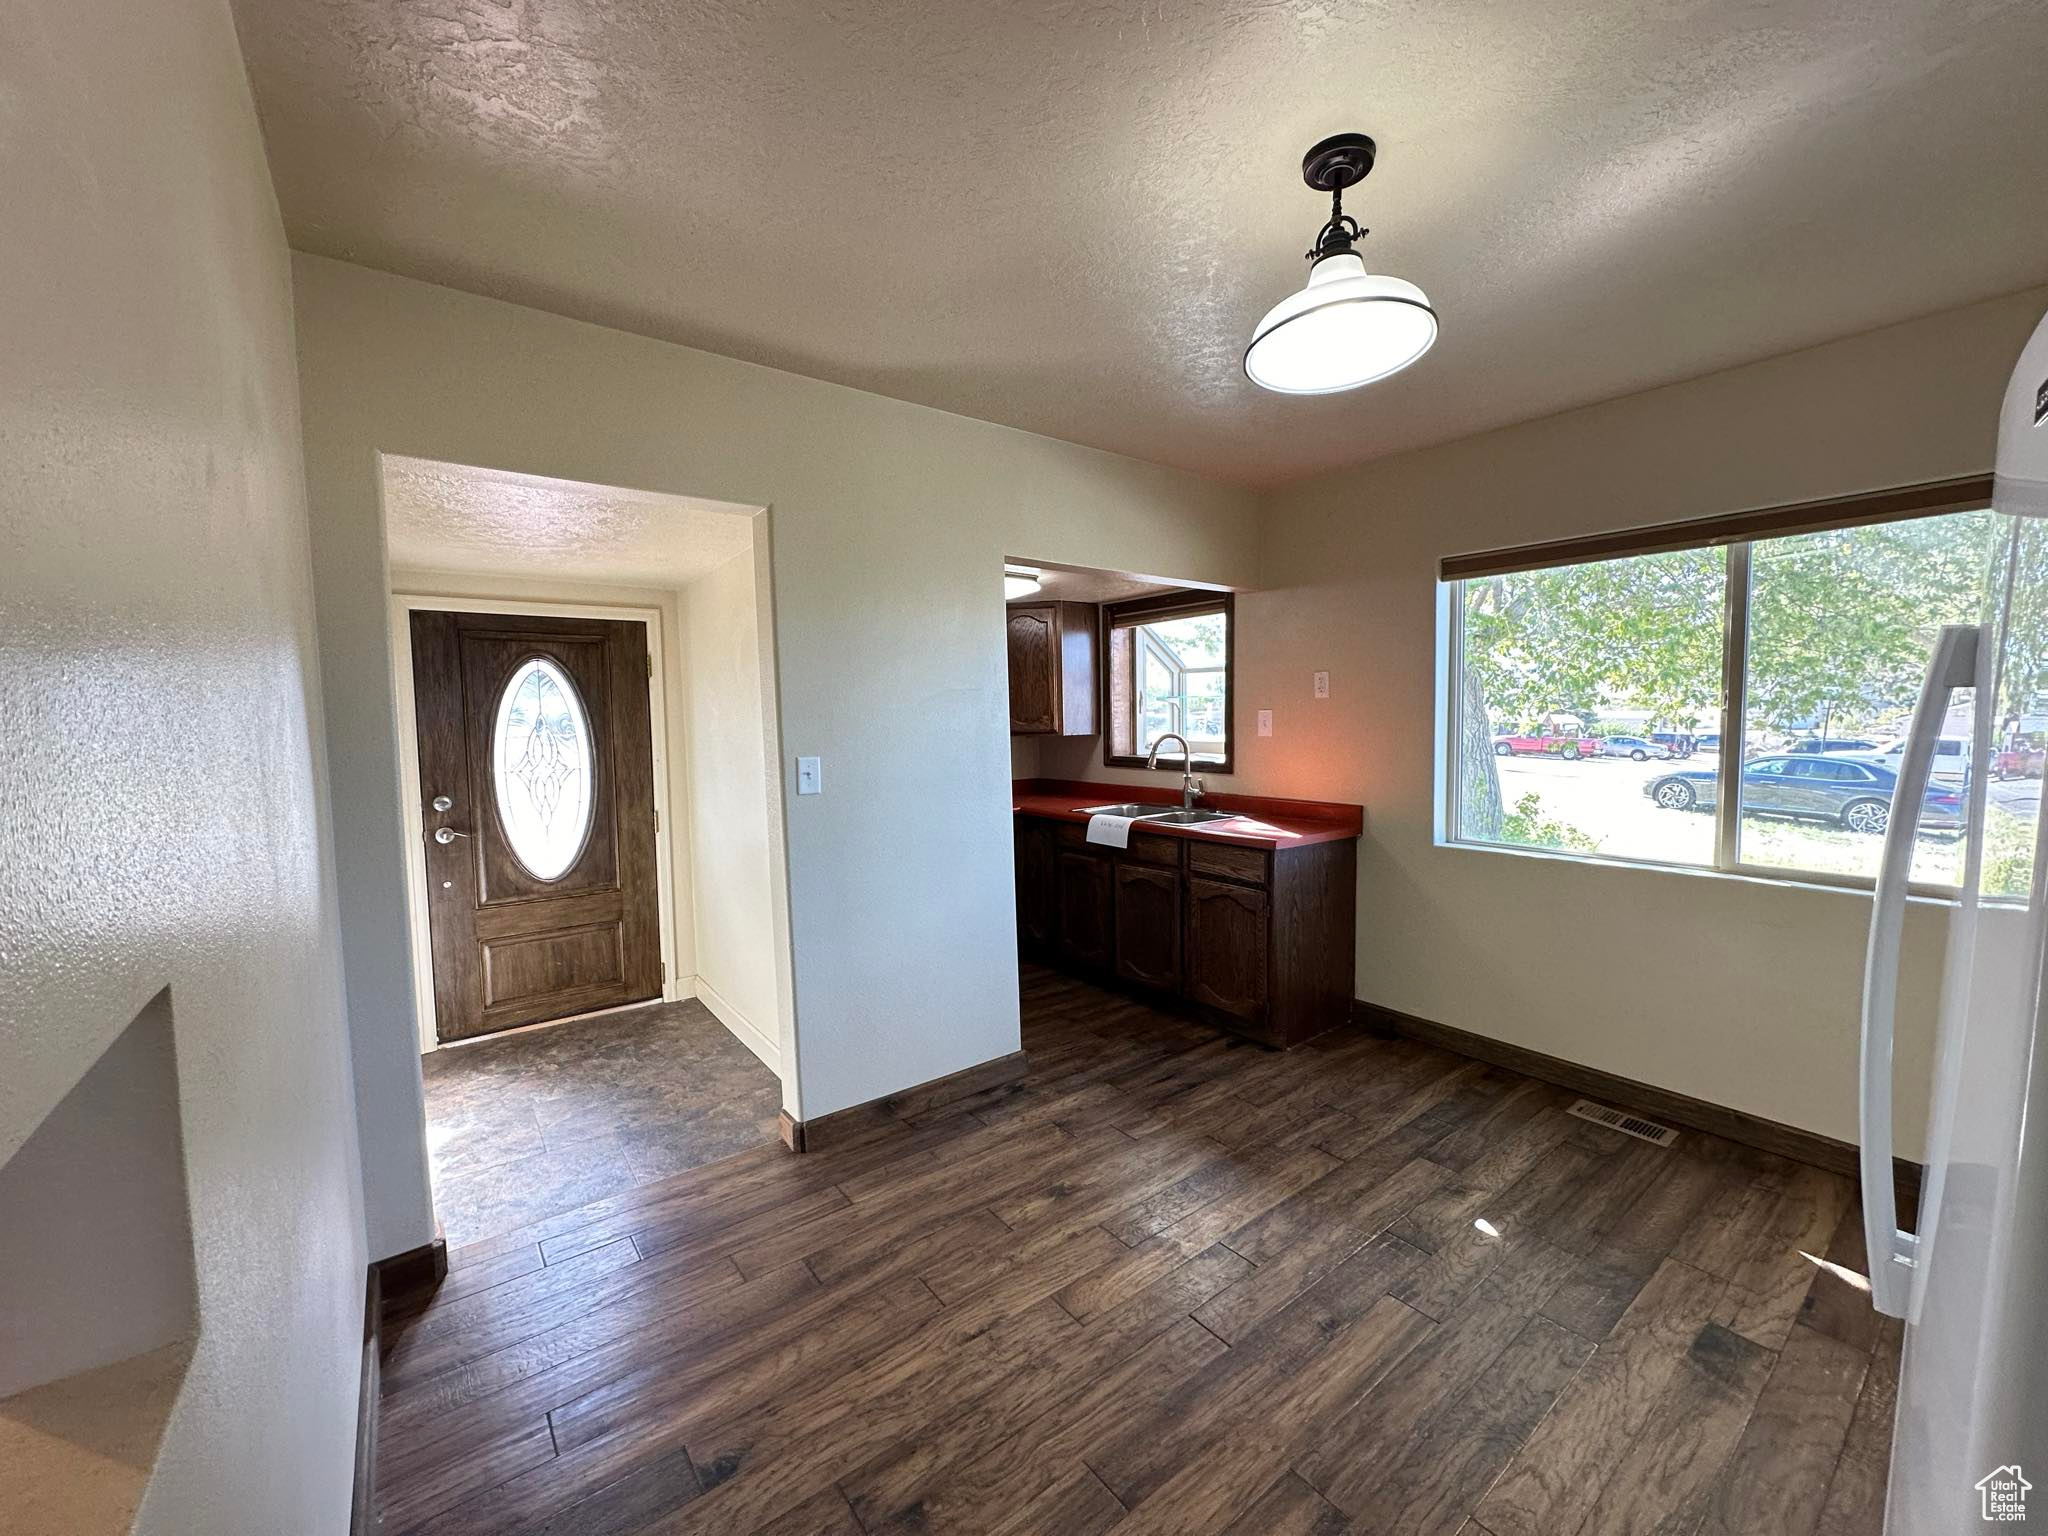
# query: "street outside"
{"type": "Point", "coordinates": [1603, 798]}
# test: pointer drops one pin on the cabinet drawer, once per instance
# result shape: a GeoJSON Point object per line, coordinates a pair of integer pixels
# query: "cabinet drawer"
{"type": "Point", "coordinates": [1070, 835]}
{"type": "Point", "coordinates": [1145, 847]}
{"type": "Point", "coordinates": [1151, 848]}
{"type": "Point", "coordinates": [1248, 865]}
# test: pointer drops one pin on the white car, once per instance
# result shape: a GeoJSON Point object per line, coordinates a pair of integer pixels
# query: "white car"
{"type": "Point", "coordinates": [1951, 757]}
{"type": "Point", "coordinates": [1634, 747]}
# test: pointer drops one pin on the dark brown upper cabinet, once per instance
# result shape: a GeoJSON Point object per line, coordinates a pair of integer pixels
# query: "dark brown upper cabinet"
{"type": "Point", "coordinates": [1052, 669]}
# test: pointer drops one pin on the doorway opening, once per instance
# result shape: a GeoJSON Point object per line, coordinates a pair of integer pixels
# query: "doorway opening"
{"type": "Point", "coordinates": [1122, 702]}
{"type": "Point", "coordinates": [587, 743]}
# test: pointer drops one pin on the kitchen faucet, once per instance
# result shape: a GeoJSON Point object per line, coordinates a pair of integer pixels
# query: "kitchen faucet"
{"type": "Point", "coordinates": [1190, 786]}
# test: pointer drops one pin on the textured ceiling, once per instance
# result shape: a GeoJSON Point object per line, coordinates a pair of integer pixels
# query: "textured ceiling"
{"type": "Point", "coordinates": [449, 517]}
{"type": "Point", "coordinates": [1067, 214]}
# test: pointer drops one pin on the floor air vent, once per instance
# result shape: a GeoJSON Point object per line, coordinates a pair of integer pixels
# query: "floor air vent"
{"type": "Point", "coordinates": [1628, 1125]}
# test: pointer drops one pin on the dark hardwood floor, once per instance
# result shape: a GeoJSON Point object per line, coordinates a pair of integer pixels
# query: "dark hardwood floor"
{"type": "Point", "coordinates": [1168, 1282]}
{"type": "Point", "coordinates": [523, 1126]}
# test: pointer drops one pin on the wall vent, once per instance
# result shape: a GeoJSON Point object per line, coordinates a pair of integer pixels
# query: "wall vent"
{"type": "Point", "coordinates": [1628, 1125]}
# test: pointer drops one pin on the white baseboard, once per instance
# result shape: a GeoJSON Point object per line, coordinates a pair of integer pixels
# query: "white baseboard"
{"type": "Point", "coordinates": [678, 988]}
{"type": "Point", "coordinates": [743, 1028]}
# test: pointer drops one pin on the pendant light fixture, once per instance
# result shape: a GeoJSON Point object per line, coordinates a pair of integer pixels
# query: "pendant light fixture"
{"type": "Point", "coordinates": [1347, 327]}
{"type": "Point", "coordinates": [1019, 581]}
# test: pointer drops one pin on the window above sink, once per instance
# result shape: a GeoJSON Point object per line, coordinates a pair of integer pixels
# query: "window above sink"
{"type": "Point", "coordinates": [1167, 668]}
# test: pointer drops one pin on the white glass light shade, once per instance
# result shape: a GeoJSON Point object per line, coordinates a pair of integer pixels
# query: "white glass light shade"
{"type": "Point", "coordinates": [1347, 327]}
{"type": "Point", "coordinates": [1018, 581]}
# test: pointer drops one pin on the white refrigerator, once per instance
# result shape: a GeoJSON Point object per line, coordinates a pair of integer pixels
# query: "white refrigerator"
{"type": "Point", "coordinates": [1972, 1283]}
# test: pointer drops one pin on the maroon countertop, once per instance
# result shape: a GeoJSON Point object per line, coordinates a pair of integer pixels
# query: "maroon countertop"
{"type": "Point", "coordinates": [1259, 823]}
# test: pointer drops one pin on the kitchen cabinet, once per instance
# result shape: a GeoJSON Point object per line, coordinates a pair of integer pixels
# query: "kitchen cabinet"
{"type": "Point", "coordinates": [1037, 900]}
{"type": "Point", "coordinates": [1052, 669]}
{"type": "Point", "coordinates": [1258, 940]}
{"type": "Point", "coordinates": [1086, 904]}
{"type": "Point", "coordinates": [1148, 924]}
{"type": "Point", "coordinates": [1227, 947]}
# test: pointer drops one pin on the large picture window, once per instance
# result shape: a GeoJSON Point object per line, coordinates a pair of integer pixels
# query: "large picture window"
{"type": "Point", "coordinates": [1166, 668]}
{"type": "Point", "coordinates": [1600, 702]}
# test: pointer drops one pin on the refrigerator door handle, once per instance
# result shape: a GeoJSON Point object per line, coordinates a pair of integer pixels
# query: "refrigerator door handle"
{"type": "Point", "coordinates": [1892, 1252]}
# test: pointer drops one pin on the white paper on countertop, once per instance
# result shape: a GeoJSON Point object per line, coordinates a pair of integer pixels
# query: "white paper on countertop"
{"type": "Point", "coordinates": [1113, 831]}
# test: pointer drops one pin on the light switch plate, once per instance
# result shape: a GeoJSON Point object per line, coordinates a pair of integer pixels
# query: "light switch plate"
{"type": "Point", "coordinates": [810, 775]}
{"type": "Point", "coordinates": [1265, 722]}
{"type": "Point", "coordinates": [1322, 684]}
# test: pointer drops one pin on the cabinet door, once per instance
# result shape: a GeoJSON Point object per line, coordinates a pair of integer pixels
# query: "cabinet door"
{"type": "Point", "coordinates": [1034, 670]}
{"type": "Point", "coordinates": [1085, 909]}
{"type": "Point", "coordinates": [1148, 925]}
{"type": "Point", "coordinates": [1227, 947]}
{"type": "Point", "coordinates": [1037, 897]}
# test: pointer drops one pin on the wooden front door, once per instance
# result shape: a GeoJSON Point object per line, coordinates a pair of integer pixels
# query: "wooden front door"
{"type": "Point", "coordinates": [537, 798]}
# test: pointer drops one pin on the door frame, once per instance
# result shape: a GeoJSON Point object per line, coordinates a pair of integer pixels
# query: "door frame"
{"type": "Point", "coordinates": [403, 605]}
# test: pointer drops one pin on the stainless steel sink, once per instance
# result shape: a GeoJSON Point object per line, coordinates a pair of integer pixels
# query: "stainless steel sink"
{"type": "Point", "coordinates": [1190, 818]}
{"type": "Point", "coordinates": [1129, 808]}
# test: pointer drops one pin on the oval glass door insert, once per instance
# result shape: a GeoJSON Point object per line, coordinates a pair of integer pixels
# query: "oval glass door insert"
{"type": "Point", "coordinates": [541, 766]}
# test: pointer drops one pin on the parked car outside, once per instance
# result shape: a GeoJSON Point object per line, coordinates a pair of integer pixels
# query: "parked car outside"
{"type": "Point", "coordinates": [1677, 743]}
{"type": "Point", "coordinates": [1951, 757]}
{"type": "Point", "coordinates": [1636, 747]}
{"type": "Point", "coordinates": [1543, 744]}
{"type": "Point", "coordinates": [2020, 759]}
{"type": "Point", "coordinates": [1831, 744]}
{"type": "Point", "coordinates": [1710, 743]}
{"type": "Point", "coordinates": [1851, 792]}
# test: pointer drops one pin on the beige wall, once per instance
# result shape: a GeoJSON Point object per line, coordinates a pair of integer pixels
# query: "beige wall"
{"type": "Point", "coordinates": [165, 825]}
{"type": "Point", "coordinates": [732, 788]}
{"type": "Point", "coordinates": [888, 524]}
{"type": "Point", "coordinates": [1739, 991]}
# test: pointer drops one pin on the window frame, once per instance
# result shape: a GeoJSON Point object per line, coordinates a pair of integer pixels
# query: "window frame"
{"type": "Point", "coordinates": [1191, 602]}
{"type": "Point", "coordinates": [1736, 534]}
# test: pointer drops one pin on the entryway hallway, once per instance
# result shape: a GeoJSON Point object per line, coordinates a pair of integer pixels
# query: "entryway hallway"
{"type": "Point", "coordinates": [528, 1125]}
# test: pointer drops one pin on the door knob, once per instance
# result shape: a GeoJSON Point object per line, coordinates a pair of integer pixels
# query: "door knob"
{"type": "Point", "coordinates": [447, 835]}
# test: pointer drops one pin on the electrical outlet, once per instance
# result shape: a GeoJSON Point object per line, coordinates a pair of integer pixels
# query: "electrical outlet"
{"type": "Point", "coordinates": [1265, 722]}
{"type": "Point", "coordinates": [1322, 685]}
{"type": "Point", "coordinates": [810, 775]}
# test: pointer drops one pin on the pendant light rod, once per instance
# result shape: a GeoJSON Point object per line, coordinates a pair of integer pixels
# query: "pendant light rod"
{"type": "Point", "coordinates": [1340, 161]}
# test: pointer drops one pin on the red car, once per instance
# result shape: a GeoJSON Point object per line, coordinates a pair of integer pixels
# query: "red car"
{"type": "Point", "coordinates": [1547, 744]}
{"type": "Point", "coordinates": [2019, 760]}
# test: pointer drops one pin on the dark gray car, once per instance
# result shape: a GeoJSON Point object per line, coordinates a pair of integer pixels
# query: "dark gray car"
{"type": "Point", "coordinates": [1852, 792]}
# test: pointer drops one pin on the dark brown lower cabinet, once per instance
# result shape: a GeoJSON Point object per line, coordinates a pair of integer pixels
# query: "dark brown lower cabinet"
{"type": "Point", "coordinates": [1086, 903]}
{"type": "Point", "coordinates": [1260, 941]}
{"type": "Point", "coordinates": [1148, 925]}
{"type": "Point", "coordinates": [1227, 943]}
{"type": "Point", "coordinates": [1037, 900]}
